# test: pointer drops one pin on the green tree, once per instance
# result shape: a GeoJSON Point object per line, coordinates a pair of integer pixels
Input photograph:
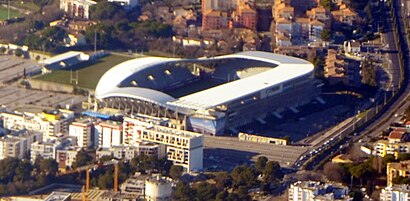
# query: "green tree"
{"type": "Point", "coordinates": [176, 172]}
{"type": "Point", "coordinates": [222, 196]}
{"type": "Point", "coordinates": [7, 169]}
{"type": "Point", "coordinates": [243, 176]}
{"type": "Point", "coordinates": [41, 3]}
{"type": "Point", "coordinates": [82, 158]}
{"type": "Point", "coordinates": [105, 10]}
{"type": "Point", "coordinates": [326, 35]}
{"type": "Point", "coordinates": [404, 157]}
{"type": "Point", "coordinates": [319, 65]}
{"type": "Point", "coordinates": [327, 4]}
{"type": "Point", "coordinates": [401, 180]}
{"type": "Point", "coordinates": [273, 172]}
{"type": "Point", "coordinates": [106, 181]}
{"type": "Point", "coordinates": [368, 70]}
{"type": "Point", "coordinates": [261, 164]}
{"type": "Point", "coordinates": [18, 52]}
{"type": "Point", "coordinates": [48, 166]}
{"type": "Point", "coordinates": [55, 34]}
{"type": "Point", "coordinates": [223, 180]}
{"type": "Point", "coordinates": [183, 192]}
{"type": "Point", "coordinates": [205, 192]}
{"type": "Point", "coordinates": [23, 171]}
{"type": "Point", "coordinates": [2, 49]}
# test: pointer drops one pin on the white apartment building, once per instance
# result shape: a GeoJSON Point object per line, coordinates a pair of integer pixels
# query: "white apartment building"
{"type": "Point", "coordinates": [82, 130]}
{"type": "Point", "coordinates": [130, 152]}
{"type": "Point", "coordinates": [47, 149]}
{"type": "Point", "coordinates": [315, 190]}
{"type": "Point", "coordinates": [66, 156]}
{"type": "Point", "coordinates": [17, 144]}
{"type": "Point", "coordinates": [395, 193]}
{"type": "Point", "coordinates": [50, 124]}
{"type": "Point", "coordinates": [183, 148]}
{"type": "Point", "coordinates": [108, 134]}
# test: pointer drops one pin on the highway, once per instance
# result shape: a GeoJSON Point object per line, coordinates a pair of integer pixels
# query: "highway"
{"type": "Point", "coordinates": [397, 105]}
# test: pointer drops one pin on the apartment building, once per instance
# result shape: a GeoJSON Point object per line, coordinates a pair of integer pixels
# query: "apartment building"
{"type": "Point", "coordinates": [18, 143]}
{"type": "Point", "coordinates": [77, 8]}
{"type": "Point", "coordinates": [396, 143]}
{"type": "Point", "coordinates": [130, 152]}
{"type": "Point", "coordinates": [49, 123]}
{"type": "Point", "coordinates": [395, 193]}
{"type": "Point", "coordinates": [108, 134]}
{"type": "Point", "coordinates": [82, 129]}
{"type": "Point", "coordinates": [66, 156]}
{"type": "Point", "coordinates": [47, 148]}
{"type": "Point", "coordinates": [183, 148]}
{"type": "Point", "coordinates": [399, 169]}
{"type": "Point", "coordinates": [245, 16]}
{"type": "Point", "coordinates": [214, 19]}
{"type": "Point", "coordinates": [315, 190]}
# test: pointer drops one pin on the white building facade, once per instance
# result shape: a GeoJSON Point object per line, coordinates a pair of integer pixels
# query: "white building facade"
{"type": "Point", "coordinates": [183, 148]}
{"type": "Point", "coordinates": [395, 193]}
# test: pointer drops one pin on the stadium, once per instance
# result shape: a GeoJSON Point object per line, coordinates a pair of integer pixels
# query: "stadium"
{"type": "Point", "coordinates": [209, 95]}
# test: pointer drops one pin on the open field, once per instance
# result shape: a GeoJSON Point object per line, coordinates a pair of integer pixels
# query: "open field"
{"type": "Point", "coordinates": [88, 73]}
{"type": "Point", "coordinates": [3, 13]}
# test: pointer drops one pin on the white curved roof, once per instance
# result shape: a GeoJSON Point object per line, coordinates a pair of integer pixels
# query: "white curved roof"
{"type": "Point", "coordinates": [287, 68]}
{"type": "Point", "coordinates": [108, 84]}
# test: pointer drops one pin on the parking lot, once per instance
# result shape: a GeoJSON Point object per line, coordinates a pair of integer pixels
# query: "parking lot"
{"type": "Point", "coordinates": [18, 98]}
{"type": "Point", "coordinates": [224, 153]}
{"type": "Point", "coordinates": [12, 67]}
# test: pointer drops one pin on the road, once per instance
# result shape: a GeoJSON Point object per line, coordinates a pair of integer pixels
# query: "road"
{"type": "Point", "coordinates": [402, 102]}
{"type": "Point", "coordinates": [397, 105]}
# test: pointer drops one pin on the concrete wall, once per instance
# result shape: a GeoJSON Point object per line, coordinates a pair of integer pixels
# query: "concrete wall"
{"type": "Point", "coordinates": [50, 86]}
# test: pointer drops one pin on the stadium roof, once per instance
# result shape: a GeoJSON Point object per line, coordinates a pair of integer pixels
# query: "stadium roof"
{"type": "Point", "coordinates": [287, 68]}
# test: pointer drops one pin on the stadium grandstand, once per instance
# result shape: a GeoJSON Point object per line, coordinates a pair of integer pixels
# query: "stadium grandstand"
{"type": "Point", "coordinates": [64, 60]}
{"type": "Point", "coordinates": [209, 95]}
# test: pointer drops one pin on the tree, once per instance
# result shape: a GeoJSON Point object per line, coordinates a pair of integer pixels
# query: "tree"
{"type": "Point", "coordinates": [23, 171]}
{"type": "Point", "coordinates": [105, 10]}
{"type": "Point", "coordinates": [222, 180]}
{"type": "Point", "coordinates": [327, 4]}
{"type": "Point", "coordinates": [319, 65]}
{"type": "Point", "coordinates": [49, 166]}
{"type": "Point", "coordinates": [401, 180]}
{"type": "Point", "coordinates": [7, 169]}
{"type": "Point", "coordinates": [404, 157]}
{"type": "Point", "coordinates": [18, 52]}
{"type": "Point", "coordinates": [106, 180]}
{"type": "Point", "coordinates": [205, 191]}
{"type": "Point", "coordinates": [326, 35]}
{"type": "Point", "coordinates": [176, 172]}
{"type": "Point", "coordinates": [261, 164]}
{"type": "Point", "coordinates": [183, 192]}
{"type": "Point", "coordinates": [82, 158]}
{"type": "Point", "coordinates": [368, 70]}
{"type": "Point", "coordinates": [334, 172]}
{"type": "Point", "coordinates": [41, 3]}
{"type": "Point", "coordinates": [243, 176]}
{"type": "Point", "coordinates": [222, 196]}
{"type": "Point", "coordinates": [273, 172]}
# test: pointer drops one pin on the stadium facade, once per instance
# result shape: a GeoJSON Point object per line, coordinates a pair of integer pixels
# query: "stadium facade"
{"type": "Point", "coordinates": [209, 95]}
